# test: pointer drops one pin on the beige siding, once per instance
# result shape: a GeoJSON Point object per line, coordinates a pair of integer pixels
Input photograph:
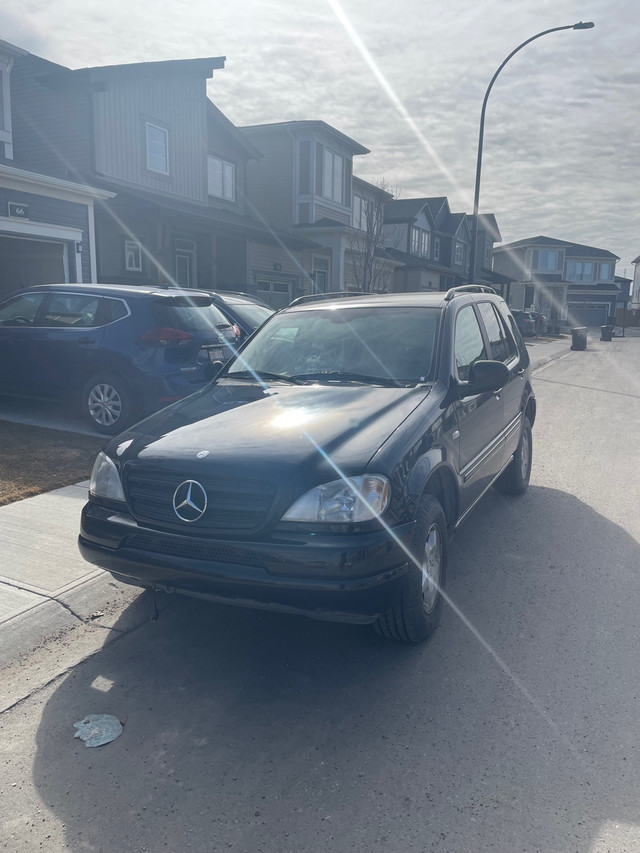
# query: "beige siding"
{"type": "Point", "coordinates": [176, 103]}
{"type": "Point", "coordinates": [262, 258]}
{"type": "Point", "coordinates": [322, 210]}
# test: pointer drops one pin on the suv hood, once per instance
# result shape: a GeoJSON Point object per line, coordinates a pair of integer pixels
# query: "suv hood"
{"type": "Point", "coordinates": [242, 427]}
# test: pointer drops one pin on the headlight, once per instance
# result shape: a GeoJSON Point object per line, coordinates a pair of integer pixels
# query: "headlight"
{"type": "Point", "coordinates": [357, 499]}
{"type": "Point", "coordinates": [105, 480]}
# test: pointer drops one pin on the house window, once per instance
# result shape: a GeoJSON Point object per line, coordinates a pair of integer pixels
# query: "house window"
{"type": "Point", "coordinates": [333, 176]}
{"type": "Point", "coordinates": [319, 274]}
{"type": "Point", "coordinates": [157, 149]}
{"type": "Point", "coordinates": [221, 178]}
{"type": "Point", "coordinates": [5, 112]}
{"type": "Point", "coordinates": [360, 213]}
{"type": "Point", "coordinates": [488, 254]}
{"type": "Point", "coordinates": [579, 271]}
{"type": "Point", "coordinates": [436, 249]}
{"type": "Point", "coordinates": [132, 256]}
{"type": "Point", "coordinates": [185, 263]}
{"type": "Point", "coordinates": [546, 259]}
{"type": "Point", "coordinates": [419, 242]}
{"type": "Point", "coordinates": [459, 253]}
{"type": "Point", "coordinates": [605, 272]}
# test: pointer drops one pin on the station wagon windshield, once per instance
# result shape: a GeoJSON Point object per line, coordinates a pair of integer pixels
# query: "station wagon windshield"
{"type": "Point", "coordinates": [365, 344]}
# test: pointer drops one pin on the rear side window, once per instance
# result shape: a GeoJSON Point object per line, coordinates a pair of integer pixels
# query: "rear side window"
{"type": "Point", "coordinates": [22, 310]}
{"type": "Point", "coordinates": [251, 315]}
{"type": "Point", "coordinates": [501, 344]}
{"type": "Point", "coordinates": [113, 309]}
{"type": "Point", "coordinates": [72, 309]}
{"type": "Point", "coordinates": [188, 313]}
{"type": "Point", "coordinates": [469, 345]}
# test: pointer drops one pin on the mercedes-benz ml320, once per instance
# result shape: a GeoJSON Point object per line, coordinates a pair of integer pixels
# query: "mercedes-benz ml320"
{"type": "Point", "coordinates": [324, 469]}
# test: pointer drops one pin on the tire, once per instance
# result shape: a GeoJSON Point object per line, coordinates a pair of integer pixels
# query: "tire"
{"type": "Point", "coordinates": [106, 403]}
{"type": "Point", "coordinates": [514, 480]}
{"type": "Point", "coordinates": [416, 614]}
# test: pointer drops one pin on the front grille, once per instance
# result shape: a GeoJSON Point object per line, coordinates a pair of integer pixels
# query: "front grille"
{"type": "Point", "coordinates": [193, 550]}
{"type": "Point", "coordinates": [234, 504]}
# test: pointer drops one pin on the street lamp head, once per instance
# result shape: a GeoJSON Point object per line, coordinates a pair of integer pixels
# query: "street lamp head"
{"type": "Point", "coordinates": [583, 25]}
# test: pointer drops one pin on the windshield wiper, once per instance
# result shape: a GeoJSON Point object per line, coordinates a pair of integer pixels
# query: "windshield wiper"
{"type": "Point", "coordinates": [261, 374]}
{"type": "Point", "coordinates": [345, 376]}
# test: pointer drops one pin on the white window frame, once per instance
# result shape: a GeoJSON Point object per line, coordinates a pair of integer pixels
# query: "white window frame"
{"type": "Point", "coordinates": [546, 253]}
{"type": "Point", "coordinates": [227, 176]}
{"type": "Point", "coordinates": [149, 125]}
{"type": "Point", "coordinates": [131, 247]}
{"type": "Point", "coordinates": [436, 249]}
{"type": "Point", "coordinates": [187, 249]}
{"type": "Point", "coordinates": [6, 135]}
{"type": "Point", "coordinates": [579, 272]}
{"type": "Point", "coordinates": [609, 275]}
{"type": "Point", "coordinates": [459, 253]}
{"type": "Point", "coordinates": [329, 176]}
{"type": "Point", "coordinates": [360, 212]}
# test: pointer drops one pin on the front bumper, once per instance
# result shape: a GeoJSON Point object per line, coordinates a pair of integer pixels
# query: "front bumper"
{"type": "Point", "coordinates": [341, 578]}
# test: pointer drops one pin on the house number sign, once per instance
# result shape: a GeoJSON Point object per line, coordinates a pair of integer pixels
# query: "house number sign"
{"type": "Point", "coordinates": [21, 211]}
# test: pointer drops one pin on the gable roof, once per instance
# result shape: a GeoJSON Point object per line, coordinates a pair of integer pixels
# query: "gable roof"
{"type": "Point", "coordinates": [436, 203]}
{"type": "Point", "coordinates": [312, 124]}
{"type": "Point", "coordinates": [487, 222]}
{"type": "Point", "coordinates": [217, 114]}
{"type": "Point", "coordinates": [573, 250]}
{"type": "Point", "coordinates": [403, 209]}
{"type": "Point", "coordinates": [451, 224]}
{"type": "Point", "coordinates": [66, 76]}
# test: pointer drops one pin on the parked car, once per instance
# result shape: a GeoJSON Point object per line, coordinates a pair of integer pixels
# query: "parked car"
{"type": "Point", "coordinates": [541, 322]}
{"type": "Point", "coordinates": [117, 352]}
{"type": "Point", "coordinates": [525, 323]}
{"type": "Point", "coordinates": [244, 311]}
{"type": "Point", "coordinates": [325, 468]}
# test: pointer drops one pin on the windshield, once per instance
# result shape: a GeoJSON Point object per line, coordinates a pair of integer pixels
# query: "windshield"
{"type": "Point", "coordinates": [354, 344]}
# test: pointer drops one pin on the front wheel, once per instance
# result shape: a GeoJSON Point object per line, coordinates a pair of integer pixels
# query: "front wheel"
{"type": "Point", "coordinates": [416, 613]}
{"type": "Point", "coordinates": [514, 480]}
{"type": "Point", "coordinates": [106, 403]}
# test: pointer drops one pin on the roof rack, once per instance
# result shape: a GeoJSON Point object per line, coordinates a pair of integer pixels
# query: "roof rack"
{"type": "Point", "coordinates": [468, 288]}
{"type": "Point", "coordinates": [332, 294]}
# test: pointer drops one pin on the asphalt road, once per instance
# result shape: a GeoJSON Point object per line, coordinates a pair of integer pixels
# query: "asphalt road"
{"type": "Point", "coordinates": [514, 729]}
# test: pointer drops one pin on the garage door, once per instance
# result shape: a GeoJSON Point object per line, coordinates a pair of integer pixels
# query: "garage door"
{"type": "Point", "coordinates": [27, 262]}
{"type": "Point", "coordinates": [588, 315]}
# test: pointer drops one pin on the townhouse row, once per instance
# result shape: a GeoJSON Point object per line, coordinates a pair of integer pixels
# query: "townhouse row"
{"type": "Point", "coordinates": [130, 174]}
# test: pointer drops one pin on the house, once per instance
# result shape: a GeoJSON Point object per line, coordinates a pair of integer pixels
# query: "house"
{"type": "Point", "coordinates": [572, 284]}
{"type": "Point", "coordinates": [172, 168]}
{"type": "Point", "coordinates": [433, 245]}
{"type": "Point", "coordinates": [303, 185]}
{"type": "Point", "coordinates": [47, 216]}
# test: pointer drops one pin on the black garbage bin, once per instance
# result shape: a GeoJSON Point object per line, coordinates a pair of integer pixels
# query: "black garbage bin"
{"type": "Point", "coordinates": [579, 338]}
{"type": "Point", "coordinates": [606, 333]}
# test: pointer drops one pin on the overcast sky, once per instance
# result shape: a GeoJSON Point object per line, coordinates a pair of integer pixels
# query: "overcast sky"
{"type": "Point", "coordinates": [406, 79]}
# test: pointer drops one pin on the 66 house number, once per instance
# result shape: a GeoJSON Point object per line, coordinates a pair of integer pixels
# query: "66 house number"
{"type": "Point", "coordinates": [19, 210]}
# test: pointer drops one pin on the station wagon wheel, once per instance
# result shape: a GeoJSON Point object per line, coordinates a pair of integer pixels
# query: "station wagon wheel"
{"type": "Point", "coordinates": [515, 478]}
{"type": "Point", "coordinates": [106, 403]}
{"type": "Point", "coordinates": [416, 613]}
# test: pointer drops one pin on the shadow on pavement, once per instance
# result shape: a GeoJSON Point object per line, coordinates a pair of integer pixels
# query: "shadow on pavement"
{"type": "Point", "coordinates": [251, 731]}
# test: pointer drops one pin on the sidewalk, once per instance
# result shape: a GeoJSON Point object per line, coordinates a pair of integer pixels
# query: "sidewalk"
{"type": "Point", "coordinates": [46, 588]}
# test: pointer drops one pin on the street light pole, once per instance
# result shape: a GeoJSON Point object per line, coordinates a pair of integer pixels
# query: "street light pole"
{"type": "Point", "coordinates": [586, 25]}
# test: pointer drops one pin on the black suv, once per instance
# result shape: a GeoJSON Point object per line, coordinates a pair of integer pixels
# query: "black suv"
{"type": "Point", "coordinates": [325, 468]}
{"type": "Point", "coordinates": [116, 351]}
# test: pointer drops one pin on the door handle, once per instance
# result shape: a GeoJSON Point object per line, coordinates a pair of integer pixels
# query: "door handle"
{"type": "Point", "coordinates": [86, 340]}
{"type": "Point", "coordinates": [520, 373]}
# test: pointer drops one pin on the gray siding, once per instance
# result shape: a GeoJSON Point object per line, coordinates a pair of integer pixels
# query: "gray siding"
{"type": "Point", "coordinates": [51, 128]}
{"type": "Point", "coordinates": [322, 211]}
{"type": "Point", "coordinates": [270, 181]}
{"type": "Point", "coordinates": [176, 103]}
{"type": "Point", "coordinates": [510, 263]}
{"type": "Point", "coordinates": [221, 143]}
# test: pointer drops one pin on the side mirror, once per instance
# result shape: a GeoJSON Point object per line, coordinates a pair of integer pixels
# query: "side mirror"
{"type": "Point", "coordinates": [484, 376]}
{"type": "Point", "coordinates": [213, 369]}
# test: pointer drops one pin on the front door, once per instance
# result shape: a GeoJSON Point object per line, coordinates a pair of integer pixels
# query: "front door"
{"type": "Point", "coordinates": [480, 417]}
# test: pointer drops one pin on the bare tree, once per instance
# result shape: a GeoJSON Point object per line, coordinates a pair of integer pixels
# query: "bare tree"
{"type": "Point", "coordinates": [372, 272]}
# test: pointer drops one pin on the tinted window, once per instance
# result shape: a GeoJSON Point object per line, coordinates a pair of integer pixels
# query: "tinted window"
{"type": "Point", "coordinates": [113, 309]}
{"type": "Point", "coordinates": [250, 314]}
{"type": "Point", "coordinates": [498, 343]}
{"type": "Point", "coordinates": [72, 309]}
{"type": "Point", "coordinates": [189, 313]}
{"type": "Point", "coordinates": [469, 346]}
{"type": "Point", "coordinates": [22, 310]}
{"type": "Point", "coordinates": [396, 343]}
